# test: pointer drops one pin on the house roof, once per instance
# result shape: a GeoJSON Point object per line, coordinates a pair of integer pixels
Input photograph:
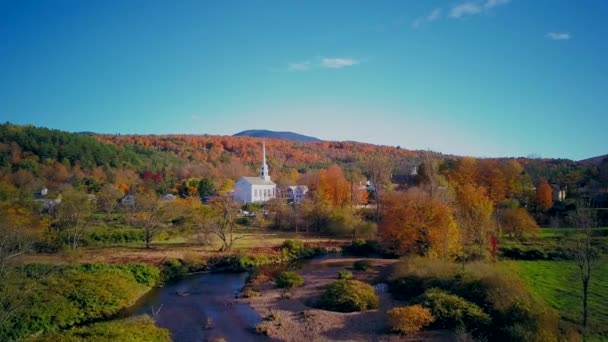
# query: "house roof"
{"type": "Point", "coordinates": [258, 181]}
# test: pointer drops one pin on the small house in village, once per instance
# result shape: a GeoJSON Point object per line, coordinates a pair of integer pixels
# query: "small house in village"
{"type": "Point", "coordinates": [296, 193]}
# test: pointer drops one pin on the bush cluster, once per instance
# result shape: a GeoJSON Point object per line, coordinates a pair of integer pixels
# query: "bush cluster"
{"type": "Point", "coordinates": [344, 274]}
{"type": "Point", "coordinates": [363, 248]}
{"type": "Point", "coordinates": [348, 296]}
{"type": "Point", "coordinates": [139, 329]}
{"type": "Point", "coordinates": [453, 312]}
{"type": "Point", "coordinates": [107, 236]}
{"type": "Point", "coordinates": [59, 297]}
{"type": "Point", "coordinates": [362, 265]}
{"type": "Point", "coordinates": [535, 252]}
{"type": "Point", "coordinates": [409, 319]}
{"type": "Point", "coordinates": [288, 280]}
{"type": "Point", "coordinates": [515, 315]}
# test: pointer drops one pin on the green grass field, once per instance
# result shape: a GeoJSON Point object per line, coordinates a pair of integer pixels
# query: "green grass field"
{"type": "Point", "coordinates": [558, 232]}
{"type": "Point", "coordinates": [558, 284]}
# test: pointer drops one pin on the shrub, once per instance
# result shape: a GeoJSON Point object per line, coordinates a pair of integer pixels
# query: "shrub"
{"type": "Point", "coordinates": [360, 247]}
{"type": "Point", "coordinates": [295, 249]}
{"type": "Point", "coordinates": [139, 329]}
{"type": "Point", "coordinates": [409, 319]}
{"type": "Point", "coordinates": [344, 274]}
{"type": "Point", "coordinates": [105, 236]}
{"type": "Point", "coordinates": [362, 265]}
{"type": "Point", "coordinates": [348, 296]}
{"type": "Point", "coordinates": [59, 297]}
{"type": "Point", "coordinates": [497, 290]}
{"type": "Point", "coordinates": [174, 269]}
{"type": "Point", "coordinates": [287, 280]}
{"type": "Point", "coordinates": [452, 312]}
{"type": "Point", "coordinates": [245, 221]}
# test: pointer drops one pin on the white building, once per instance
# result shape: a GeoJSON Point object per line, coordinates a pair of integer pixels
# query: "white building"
{"type": "Point", "coordinates": [296, 193]}
{"type": "Point", "coordinates": [256, 189]}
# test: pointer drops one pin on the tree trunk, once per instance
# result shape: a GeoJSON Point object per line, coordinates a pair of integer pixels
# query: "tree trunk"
{"type": "Point", "coordinates": [585, 302]}
{"type": "Point", "coordinates": [148, 238]}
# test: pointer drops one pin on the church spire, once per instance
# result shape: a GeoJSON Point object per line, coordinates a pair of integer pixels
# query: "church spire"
{"type": "Point", "coordinates": [264, 174]}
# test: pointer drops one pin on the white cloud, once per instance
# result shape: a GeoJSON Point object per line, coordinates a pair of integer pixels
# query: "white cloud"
{"type": "Point", "coordinates": [195, 117]}
{"type": "Point", "coordinates": [299, 66]}
{"type": "Point", "coordinates": [434, 15]}
{"type": "Point", "coordinates": [337, 63]}
{"type": "Point", "coordinates": [321, 62]}
{"type": "Point", "coordinates": [475, 7]}
{"type": "Point", "coordinates": [464, 9]}
{"type": "Point", "coordinates": [493, 3]}
{"type": "Point", "coordinates": [559, 35]}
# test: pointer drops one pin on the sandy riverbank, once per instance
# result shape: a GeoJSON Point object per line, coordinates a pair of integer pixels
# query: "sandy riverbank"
{"type": "Point", "coordinates": [290, 315]}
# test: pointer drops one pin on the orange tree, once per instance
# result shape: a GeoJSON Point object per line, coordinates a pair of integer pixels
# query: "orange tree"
{"type": "Point", "coordinates": [415, 222]}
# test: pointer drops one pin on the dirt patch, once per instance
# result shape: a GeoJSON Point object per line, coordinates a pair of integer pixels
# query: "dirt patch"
{"type": "Point", "coordinates": [291, 316]}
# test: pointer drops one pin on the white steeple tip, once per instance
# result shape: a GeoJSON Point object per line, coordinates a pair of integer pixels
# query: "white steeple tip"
{"type": "Point", "coordinates": [264, 174]}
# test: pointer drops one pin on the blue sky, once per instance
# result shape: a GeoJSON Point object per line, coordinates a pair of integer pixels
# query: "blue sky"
{"type": "Point", "coordinates": [470, 77]}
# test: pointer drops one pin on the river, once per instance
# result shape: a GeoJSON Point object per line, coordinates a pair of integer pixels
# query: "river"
{"type": "Point", "coordinates": [201, 307]}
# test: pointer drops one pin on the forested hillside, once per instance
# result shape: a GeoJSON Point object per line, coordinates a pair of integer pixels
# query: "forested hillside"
{"type": "Point", "coordinates": [33, 157]}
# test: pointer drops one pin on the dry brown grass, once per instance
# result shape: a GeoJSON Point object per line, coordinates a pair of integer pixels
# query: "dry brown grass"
{"type": "Point", "coordinates": [176, 249]}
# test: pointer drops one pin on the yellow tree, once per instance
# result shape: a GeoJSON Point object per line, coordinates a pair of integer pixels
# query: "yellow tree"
{"type": "Point", "coordinates": [19, 228]}
{"type": "Point", "coordinates": [474, 213]}
{"type": "Point", "coordinates": [513, 172]}
{"type": "Point", "coordinates": [465, 171]}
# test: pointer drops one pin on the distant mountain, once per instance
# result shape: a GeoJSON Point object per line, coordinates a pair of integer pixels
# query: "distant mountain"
{"type": "Point", "coordinates": [594, 160]}
{"type": "Point", "coordinates": [262, 133]}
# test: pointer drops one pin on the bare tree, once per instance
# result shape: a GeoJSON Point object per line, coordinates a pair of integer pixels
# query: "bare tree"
{"type": "Point", "coordinates": [223, 222]}
{"type": "Point", "coordinates": [585, 256]}
{"type": "Point", "coordinates": [107, 199]}
{"type": "Point", "coordinates": [379, 171]}
{"type": "Point", "coordinates": [153, 215]}
{"type": "Point", "coordinates": [74, 216]}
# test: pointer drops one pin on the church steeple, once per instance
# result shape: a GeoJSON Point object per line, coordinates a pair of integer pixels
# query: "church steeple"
{"type": "Point", "coordinates": [264, 174]}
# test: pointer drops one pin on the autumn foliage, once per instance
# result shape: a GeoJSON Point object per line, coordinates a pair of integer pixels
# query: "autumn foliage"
{"type": "Point", "coordinates": [333, 186]}
{"type": "Point", "coordinates": [409, 319]}
{"type": "Point", "coordinates": [414, 222]}
{"type": "Point", "coordinates": [516, 222]}
{"type": "Point", "coordinates": [544, 195]}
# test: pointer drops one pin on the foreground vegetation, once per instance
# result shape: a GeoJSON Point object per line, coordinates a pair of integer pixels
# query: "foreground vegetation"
{"type": "Point", "coordinates": [70, 198]}
{"type": "Point", "coordinates": [558, 284]}
{"type": "Point", "coordinates": [41, 298]}
{"type": "Point", "coordinates": [138, 329]}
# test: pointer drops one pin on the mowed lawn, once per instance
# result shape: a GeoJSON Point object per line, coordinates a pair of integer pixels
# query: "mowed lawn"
{"type": "Point", "coordinates": [558, 283]}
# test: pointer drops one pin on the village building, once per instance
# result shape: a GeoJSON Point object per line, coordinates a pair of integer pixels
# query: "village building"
{"type": "Point", "coordinates": [296, 193]}
{"type": "Point", "coordinates": [558, 193]}
{"type": "Point", "coordinates": [256, 189]}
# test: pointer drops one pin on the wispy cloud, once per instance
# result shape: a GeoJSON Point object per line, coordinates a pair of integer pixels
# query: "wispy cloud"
{"type": "Point", "coordinates": [322, 62]}
{"type": "Point", "coordinates": [299, 66]}
{"type": "Point", "coordinates": [337, 63]}
{"type": "Point", "coordinates": [494, 3]}
{"type": "Point", "coordinates": [559, 36]}
{"type": "Point", "coordinates": [458, 11]}
{"type": "Point", "coordinates": [470, 8]}
{"type": "Point", "coordinates": [465, 9]}
{"type": "Point", "coordinates": [429, 18]}
{"type": "Point", "coordinates": [195, 117]}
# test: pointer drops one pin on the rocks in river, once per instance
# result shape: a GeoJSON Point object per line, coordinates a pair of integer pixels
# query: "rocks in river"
{"type": "Point", "coordinates": [208, 324]}
{"type": "Point", "coordinates": [182, 293]}
{"type": "Point", "coordinates": [380, 287]}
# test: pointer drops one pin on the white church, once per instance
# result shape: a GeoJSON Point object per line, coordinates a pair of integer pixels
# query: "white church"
{"type": "Point", "coordinates": [256, 189]}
